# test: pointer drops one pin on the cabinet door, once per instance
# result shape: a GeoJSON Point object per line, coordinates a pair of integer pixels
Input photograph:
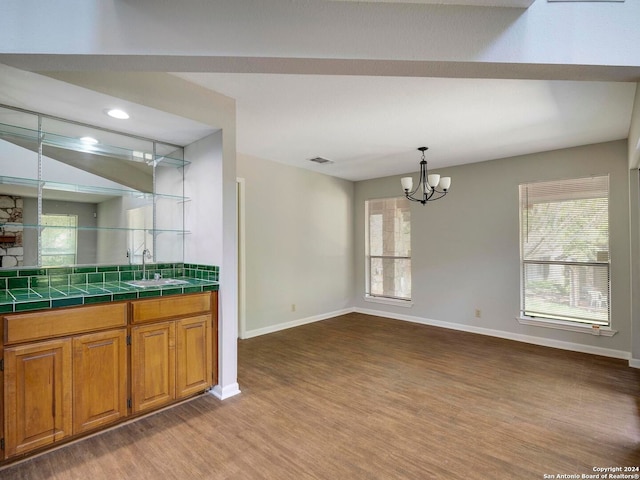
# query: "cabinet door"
{"type": "Point", "coordinates": [153, 365]}
{"type": "Point", "coordinates": [99, 379]}
{"type": "Point", "coordinates": [193, 355]}
{"type": "Point", "coordinates": [37, 384]}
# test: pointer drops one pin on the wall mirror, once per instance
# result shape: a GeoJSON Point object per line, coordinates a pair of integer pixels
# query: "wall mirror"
{"type": "Point", "coordinates": [74, 194]}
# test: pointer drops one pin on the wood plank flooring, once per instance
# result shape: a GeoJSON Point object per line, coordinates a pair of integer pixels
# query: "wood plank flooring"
{"type": "Point", "coordinates": [362, 397]}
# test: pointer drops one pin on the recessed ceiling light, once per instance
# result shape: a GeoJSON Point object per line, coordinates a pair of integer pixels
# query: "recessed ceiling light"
{"type": "Point", "coordinates": [89, 140]}
{"type": "Point", "coordinates": [117, 113]}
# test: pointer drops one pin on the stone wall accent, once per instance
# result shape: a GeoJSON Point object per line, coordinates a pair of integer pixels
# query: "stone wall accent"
{"type": "Point", "coordinates": [11, 229]}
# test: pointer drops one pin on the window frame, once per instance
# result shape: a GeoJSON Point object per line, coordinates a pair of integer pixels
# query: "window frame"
{"type": "Point", "coordinates": [381, 298]}
{"type": "Point", "coordinates": [557, 320]}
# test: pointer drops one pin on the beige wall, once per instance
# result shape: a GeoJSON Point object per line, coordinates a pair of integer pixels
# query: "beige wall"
{"type": "Point", "coordinates": [299, 244]}
{"type": "Point", "coordinates": [634, 230]}
{"type": "Point", "coordinates": [634, 224]}
{"type": "Point", "coordinates": [465, 247]}
{"type": "Point", "coordinates": [634, 132]}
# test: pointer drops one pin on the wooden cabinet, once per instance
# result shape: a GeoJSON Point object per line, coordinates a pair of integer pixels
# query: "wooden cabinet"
{"type": "Point", "coordinates": [193, 355]}
{"type": "Point", "coordinates": [161, 308]}
{"type": "Point", "coordinates": [69, 371]}
{"type": "Point", "coordinates": [43, 325]}
{"type": "Point", "coordinates": [153, 371]}
{"type": "Point", "coordinates": [99, 379]}
{"type": "Point", "coordinates": [57, 388]}
{"type": "Point", "coordinates": [170, 359]}
{"type": "Point", "coordinates": [37, 384]}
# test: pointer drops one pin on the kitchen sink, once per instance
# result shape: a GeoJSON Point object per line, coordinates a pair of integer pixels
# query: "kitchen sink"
{"type": "Point", "coordinates": [160, 282]}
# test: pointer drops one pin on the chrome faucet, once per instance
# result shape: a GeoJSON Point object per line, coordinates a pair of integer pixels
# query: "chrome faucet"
{"type": "Point", "coordinates": [145, 254]}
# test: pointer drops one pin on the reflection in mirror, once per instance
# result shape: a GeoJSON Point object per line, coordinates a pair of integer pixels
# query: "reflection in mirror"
{"type": "Point", "coordinates": [12, 231]}
{"type": "Point", "coordinates": [16, 161]}
{"type": "Point", "coordinates": [169, 241]}
{"type": "Point", "coordinates": [57, 216]}
{"type": "Point", "coordinates": [19, 153]}
{"type": "Point", "coordinates": [139, 238]}
{"type": "Point", "coordinates": [103, 186]}
{"type": "Point", "coordinates": [126, 161]}
{"type": "Point", "coordinates": [59, 237]}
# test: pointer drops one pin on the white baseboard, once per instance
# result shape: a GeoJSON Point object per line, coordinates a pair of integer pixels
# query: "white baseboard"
{"type": "Point", "coordinates": [546, 342]}
{"type": "Point", "coordinates": [634, 362]}
{"type": "Point", "coordinates": [225, 392]}
{"type": "Point", "coordinates": [295, 323]}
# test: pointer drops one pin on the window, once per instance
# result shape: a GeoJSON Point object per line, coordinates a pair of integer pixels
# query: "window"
{"type": "Point", "coordinates": [564, 250]}
{"type": "Point", "coordinates": [388, 248]}
{"type": "Point", "coordinates": [59, 240]}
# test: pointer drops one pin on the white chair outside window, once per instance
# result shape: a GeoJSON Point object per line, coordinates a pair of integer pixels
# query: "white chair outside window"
{"type": "Point", "coordinates": [596, 299]}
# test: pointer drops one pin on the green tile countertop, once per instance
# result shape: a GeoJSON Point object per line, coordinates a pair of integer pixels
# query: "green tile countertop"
{"type": "Point", "coordinates": [23, 298]}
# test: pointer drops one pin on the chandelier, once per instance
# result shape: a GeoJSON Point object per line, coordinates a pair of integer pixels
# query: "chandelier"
{"type": "Point", "coordinates": [427, 189]}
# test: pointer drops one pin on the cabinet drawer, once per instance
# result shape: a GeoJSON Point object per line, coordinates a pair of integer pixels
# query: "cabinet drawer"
{"type": "Point", "coordinates": [25, 327]}
{"type": "Point", "coordinates": [167, 307]}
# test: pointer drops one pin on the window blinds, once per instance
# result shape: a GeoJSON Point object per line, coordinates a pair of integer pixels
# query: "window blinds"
{"type": "Point", "coordinates": [564, 232]}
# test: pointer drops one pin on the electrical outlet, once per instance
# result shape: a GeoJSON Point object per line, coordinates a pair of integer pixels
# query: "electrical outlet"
{"type": "Point", "coordinates": [293, 307]}
{"type": "Point", "coordinates": [478, 313]}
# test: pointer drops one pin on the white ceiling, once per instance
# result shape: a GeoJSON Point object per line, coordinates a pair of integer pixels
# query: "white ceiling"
{"type": "Point", "coordinates": [45, 95]}
{"type": "Point", "coordinates": [360, 83]}
{"type": "Point", "coordinates": [371, 126]}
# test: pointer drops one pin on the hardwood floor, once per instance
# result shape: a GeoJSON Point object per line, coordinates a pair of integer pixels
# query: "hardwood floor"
{"type": "Point", "coordinates": [362, 397]}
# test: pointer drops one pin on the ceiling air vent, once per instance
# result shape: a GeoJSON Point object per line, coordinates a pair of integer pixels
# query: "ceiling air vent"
{"type": "Point", "coordinates": [320, 160]}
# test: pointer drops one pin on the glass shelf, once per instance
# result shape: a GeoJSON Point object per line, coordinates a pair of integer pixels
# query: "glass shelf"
{"type": "Point", "coordinates": [108, 180]}
{"type": "Point", "coordinates": [69, 187]}
{"type": "Point", "coordinates": [21, 134]}
{"type": "Point", "coordinates": [150, 231]}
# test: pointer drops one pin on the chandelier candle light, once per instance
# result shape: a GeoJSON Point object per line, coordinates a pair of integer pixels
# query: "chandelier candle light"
{"type": "Point", "coordinates": [427, 185]}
